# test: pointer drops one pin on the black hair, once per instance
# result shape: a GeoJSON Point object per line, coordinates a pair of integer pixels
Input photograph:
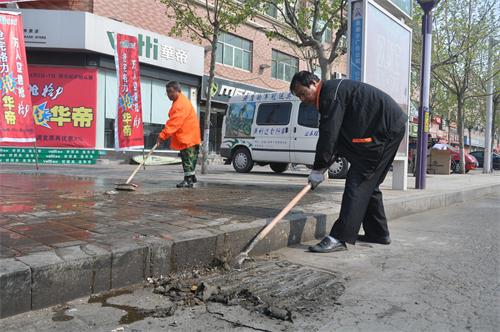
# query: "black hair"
{"type": "Point", "coordinates": [173, 84]}
{"type": "Point", "coordinates": [304, 78]}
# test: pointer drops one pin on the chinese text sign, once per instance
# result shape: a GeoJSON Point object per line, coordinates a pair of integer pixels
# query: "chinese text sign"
{"type": "Point", "coordinates": [128, 122]}
{"type": "Point", "coordinates": [16, 118]}
{"type": "Point", "coordinates": [64, 106]}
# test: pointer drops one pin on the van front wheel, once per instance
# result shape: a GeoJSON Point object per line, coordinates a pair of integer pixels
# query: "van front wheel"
{"type": "Point", "coordinates": [242, 161]}
{"type": "Point", "coordinates": [279, 167]}
{"type": "Point", "coordinates": [339, 169]}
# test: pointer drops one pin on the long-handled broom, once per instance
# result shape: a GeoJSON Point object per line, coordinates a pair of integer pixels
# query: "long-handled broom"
{"type": "Point", "coordinates": [131, 186]}
{"type": "Point", "coordinates": [244, 254]}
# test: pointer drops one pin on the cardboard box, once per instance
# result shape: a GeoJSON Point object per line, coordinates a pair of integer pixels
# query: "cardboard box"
{"type": "Point", "coordinates": [439, 162]}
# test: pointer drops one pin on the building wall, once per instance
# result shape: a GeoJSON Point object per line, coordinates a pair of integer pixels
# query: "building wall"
{"type": "Point", "coordinates": [151, 15]}
{"type": "Point", "coordinates": [81, 5]}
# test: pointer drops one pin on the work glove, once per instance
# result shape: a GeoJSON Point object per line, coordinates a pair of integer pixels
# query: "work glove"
{"type": "Point", "coordinates": [316, 177]}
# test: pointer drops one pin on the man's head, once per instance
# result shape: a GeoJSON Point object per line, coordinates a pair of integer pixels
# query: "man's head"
{"type": "Point", "coordinates": [173, 90]}
{"type": "Point", "coordinates": [304, 85]}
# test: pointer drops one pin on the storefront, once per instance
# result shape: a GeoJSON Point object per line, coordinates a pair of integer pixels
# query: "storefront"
{"type": "Point", "coordinates": [73, 76]}
{"type": "Point", "coordinates": [222, 90]}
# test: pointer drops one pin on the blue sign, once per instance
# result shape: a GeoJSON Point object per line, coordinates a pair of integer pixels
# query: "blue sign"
{"type": "Point", "coordinates": [356, 40]}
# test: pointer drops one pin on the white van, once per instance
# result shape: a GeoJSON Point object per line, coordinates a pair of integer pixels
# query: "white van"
{"type": "Point", "coordinates": [272, 128]}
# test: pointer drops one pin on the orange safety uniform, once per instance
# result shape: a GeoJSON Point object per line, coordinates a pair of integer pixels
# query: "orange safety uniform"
{"type": "Point", "coordinates": [183, 125]}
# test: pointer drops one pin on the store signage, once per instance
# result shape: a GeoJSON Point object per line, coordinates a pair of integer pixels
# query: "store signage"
{"type": "Point", "coordinates": [222, 89]}
{"type": "Point", "coordinates": [85, 31]}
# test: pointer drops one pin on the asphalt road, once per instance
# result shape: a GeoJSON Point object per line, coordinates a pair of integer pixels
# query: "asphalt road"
{"type": "Point", "coordinates": [441, 273]}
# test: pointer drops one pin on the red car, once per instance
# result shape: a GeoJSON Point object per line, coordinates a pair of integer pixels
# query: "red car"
{"type": "Point", "coordinates": [470, 160]}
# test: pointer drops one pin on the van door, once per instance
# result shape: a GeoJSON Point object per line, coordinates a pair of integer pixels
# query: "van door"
{"type": "Point", "coordinates": [271, 131]}
{"type": "Point", "coordinates": [304, 134]}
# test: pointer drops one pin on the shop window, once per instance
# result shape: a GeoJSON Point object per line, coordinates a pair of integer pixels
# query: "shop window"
{"type": "Point", "coordinates": [155, 107]}
{"type": "Point", "coordinates": [151, 132]}
{"type": "Point", "coordinates": [274, 114]}
{"type": "Point", "coordinates": [109, 133]}
{"type": "Point", "coordinates": [283, 66]}
{"type": "Point", "coordinates": [234, 51]}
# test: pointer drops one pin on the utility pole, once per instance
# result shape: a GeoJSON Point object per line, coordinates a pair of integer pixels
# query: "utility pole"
{"type": "Point", "coordinates": [489, 113]}
{"type": "Point", "coordinates": [425, 77]}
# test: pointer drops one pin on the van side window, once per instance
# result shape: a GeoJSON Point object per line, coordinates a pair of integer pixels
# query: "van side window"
{"type": "Point", "coordinates": [308, 116]}
{"type": "Point", "coordinates": [274, 114]}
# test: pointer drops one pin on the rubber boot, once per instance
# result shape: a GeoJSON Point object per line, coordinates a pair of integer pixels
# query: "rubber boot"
{"type": "Point", "coordinates": [186, 183]}
{"type": "Point", "coordinates": [194, 179]}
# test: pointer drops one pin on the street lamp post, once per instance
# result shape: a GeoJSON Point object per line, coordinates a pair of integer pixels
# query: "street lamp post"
{"type": "Point", "coordinates": [425, 73]}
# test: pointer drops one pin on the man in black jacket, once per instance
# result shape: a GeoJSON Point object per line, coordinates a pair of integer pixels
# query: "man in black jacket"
{"type": "Point", "coordinates": [366, 126]}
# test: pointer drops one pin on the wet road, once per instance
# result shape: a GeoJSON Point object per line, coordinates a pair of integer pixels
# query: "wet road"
{"type": "Point", "coordinates": [439, 274]}
{"type": "Point", "coordinates": [46, 211]}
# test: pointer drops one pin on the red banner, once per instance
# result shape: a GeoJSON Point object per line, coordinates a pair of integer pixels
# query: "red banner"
{"type": "Point", "coordinates": [64, 106]}
{"type": "Point", "coordinates": [16, 118]}
{"type": "Point", "coordinates": [128, 123]}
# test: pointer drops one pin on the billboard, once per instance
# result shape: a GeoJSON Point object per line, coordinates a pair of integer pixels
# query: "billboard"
{"type": "Point", "coordinates": [64, 106]}
{"type": "Point", "coordinates": [380, 53]}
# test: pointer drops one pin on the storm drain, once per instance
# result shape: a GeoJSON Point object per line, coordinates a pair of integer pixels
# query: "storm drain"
{"type": "Point", "coordinates": [277, 289]}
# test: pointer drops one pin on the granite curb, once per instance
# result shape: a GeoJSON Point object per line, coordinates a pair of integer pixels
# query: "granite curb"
{"type": "Point", "coordinates": [48, 278]}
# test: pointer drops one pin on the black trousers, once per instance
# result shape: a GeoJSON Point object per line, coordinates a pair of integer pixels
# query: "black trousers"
{"type": "Point", "coordinates": [362, 199]}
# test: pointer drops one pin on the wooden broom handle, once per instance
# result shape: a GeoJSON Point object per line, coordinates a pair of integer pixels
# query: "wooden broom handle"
{"type": "Point", "coordinates": [142, 162]}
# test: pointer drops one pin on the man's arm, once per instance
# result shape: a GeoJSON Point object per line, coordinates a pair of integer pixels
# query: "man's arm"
{"type": "Point", "coordinates": [174, 123]}
{"type": "Point", "coordinates": [329, 129]}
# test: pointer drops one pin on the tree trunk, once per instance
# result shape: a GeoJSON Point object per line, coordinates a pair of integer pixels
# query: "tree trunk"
{"type": "Point", "coordinates": [324, 64]}
{"type": "Point", "coordinates": [206, 131]}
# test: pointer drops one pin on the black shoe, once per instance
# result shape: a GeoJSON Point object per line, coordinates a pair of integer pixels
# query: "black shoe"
{"type": "Point", "coordinates": [375, 239]}
{"type": "Point", "coordinates": [327, 245]}
{"type": "Point", "coordinates": [194, 179]}
{"type": "Point", "coordinates": [186, 183]}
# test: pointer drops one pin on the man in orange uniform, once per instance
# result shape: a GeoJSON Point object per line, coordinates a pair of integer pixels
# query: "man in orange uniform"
{"type": "Point", "coordinates": [184, 129]}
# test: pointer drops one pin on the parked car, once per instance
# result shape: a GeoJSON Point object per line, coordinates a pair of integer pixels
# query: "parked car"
{"type": "Point", "coordinates": [470, 161]}
{"type": "Point", "coordinates": [273, 129]}
{"type": "Point", "coordinates": [479, 155]}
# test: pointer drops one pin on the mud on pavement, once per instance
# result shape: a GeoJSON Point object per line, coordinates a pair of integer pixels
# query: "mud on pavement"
{"type": "Point", "coordinates": [268, 294]}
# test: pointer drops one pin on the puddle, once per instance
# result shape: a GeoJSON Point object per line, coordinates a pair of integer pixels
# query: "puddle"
{"type": "Point", "coordinates": [133, 314]}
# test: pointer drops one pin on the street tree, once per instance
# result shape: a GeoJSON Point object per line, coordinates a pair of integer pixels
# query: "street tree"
{"type": "Point", "coordinates": [442, 103]}
{"type": "Point", "coordinates": [309, 26]}
{"type": "Point", "coordinates": [487, 74]}
{"type": "Point", "coordinates": [461, 28]}
{"type": "Point", "coordinates": [203, 22]}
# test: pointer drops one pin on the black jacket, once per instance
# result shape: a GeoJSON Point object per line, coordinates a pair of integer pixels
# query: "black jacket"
{"type": "Point", "coordinates": [356, 120]}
